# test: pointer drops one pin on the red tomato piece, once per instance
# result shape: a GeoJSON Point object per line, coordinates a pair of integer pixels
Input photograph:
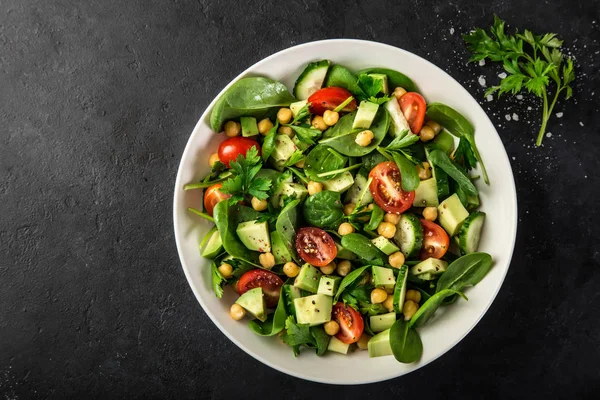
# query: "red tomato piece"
{"type": "Point", "coordinates": [328, 99]}
{"type": "Point", "coordinates": [435, 240]}
{"type": "Point", "coordinates": [212, 196]}
{"type": "Point", "coordinates": [230, 148]}
{"type": "Point", "coordinates": [350, 321]}
{"type": "Point", "coordinates": [315, 246]}
{"type": "Point", "coordinates": [269, 282]}
{"type": "Point", "coordinates": [386, 188]}
{"type": "Point", "coordinates": [413, 107]}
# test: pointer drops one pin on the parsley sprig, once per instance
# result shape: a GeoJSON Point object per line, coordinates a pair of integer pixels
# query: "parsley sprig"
{"type": "Point", "coordinates": [243, 184]}
{"type": "Point", "coordinates": [530, 69]}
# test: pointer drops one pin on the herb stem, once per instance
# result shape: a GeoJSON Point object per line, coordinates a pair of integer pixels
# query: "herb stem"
{"type": "Point", "coordinates": [547, 112]}
{"type": "Point", "coordinates": [339, 171]}
{"type": "Point", "coordinates": [343, 104]}
{"type": "Point", "coordinates": [201, 214]}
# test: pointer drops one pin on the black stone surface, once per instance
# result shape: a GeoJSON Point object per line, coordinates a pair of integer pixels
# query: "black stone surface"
{"type": "Point", "coordinates": [97, 100]}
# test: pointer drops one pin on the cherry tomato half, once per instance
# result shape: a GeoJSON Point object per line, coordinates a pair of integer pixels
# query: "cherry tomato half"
{"type": "Point", "coordinates": [435, 240]}
{"type": "Point", "coordinates": [230, 148]}
{"type": "Point", "coordinates": [350, 321]}
{"type": "Point", "coordinates": [269, 282]}
{"type": "Point", "coordinates": [386, 188]}
{"type": "Point", "coordinates": [328, 99]}
{"type": "Point", "coordinates": [315, 246]}
{"type": "Point", "coordinates": [413, 107]}
{"type": "Point", "coordinates": [212, 196]}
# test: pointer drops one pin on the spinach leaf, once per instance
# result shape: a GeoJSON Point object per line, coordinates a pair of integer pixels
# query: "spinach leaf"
{"type": "Point", "coordinates": [405, 342]}
{"type": "Point", "coordinates": [376, 218]}
{"type": "Point", "coordinates": [428, 308]}
{"type": "Point", "coordinates": [458, 125]}
{"type": "Point", "coordinates": [395, 78]}
{"type": "Point", "coordinates": [345, 135]}
{"type": "Point", "coordinates": [227, 217]}
{"type": "Point", "coordinates": [324, 210]}
{"type": "Point", "coordinates": [342, 77]}
{"type": "Point", "coordinates": [218, 280]}
{"type": "Point", "coordinates": [249, 97]}
{"type": "Point", "coordinates": [307, 135]}
{"type": "Point", "coordinates": [408, 171]}
{"type": "Point", "coordinates": [269, 143]}
{"type": "Point", "coordinates": [363, 248]}
{"type": "Point", "coordinates": [404, 139]}
{"type": "Point", "coordinates": [348, 280]}
{"type": "Point", "coordinates": [441, 160]}
{"type": "Point", "coordinates": [323, 159]}
{"type": "Point", "coordinates": [275, 322]}
{"type": "Point", "coordinates": [286, 226]}
{"type": "Point", "coordinates": [299, 174]}
{"type": "Point", "coordinates": [370, 161]}
{"type": "Point", "coordinates": [467, 270]}
{"type": "Point", "coordinates": [321, 339]}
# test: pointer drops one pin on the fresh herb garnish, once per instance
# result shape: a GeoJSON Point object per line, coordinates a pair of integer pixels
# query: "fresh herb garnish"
{"type": "Point", "coordinates": [527, 70]}
{"type": "Point", "coordinates": [243, 183]}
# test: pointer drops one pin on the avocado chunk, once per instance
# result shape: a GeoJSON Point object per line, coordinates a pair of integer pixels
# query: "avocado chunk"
{"type": "Point", "coordinates": [337, 346]}
{"type": "Point", "coordinates": [365, 115]}
{"type": "Point", "coordinates": [329, 285]}
{"type": "Point", "coordinates": [253, 302]}
{"type": "Point", "coordinates": [295, 190]}
{"type": "Point", "coordinates": [385, 245]}
{"type": "Point", "coordinates": [279, 250]}
{"type": "Point", "coordinates": [451, 214]}
{"type": "Point", "coordinates": [383, 278]}
{"type": "Point", "coordinates": [297, 106]}
{"type": "Point", "coordinates": [384, 82]}
{"type": "Point", "coordinates": [214, 246]}
{"type": "Point", "coordinates": [302, 146]}
{"type": "Point", "coordinates": [431, 266]}
{"type": "Point", "coordinates": [380, 323]}
{"type": "Point", "coordinates": [249, 126]}
{"type": "Point", "coordinates": [379, 345]}
{"type": "Point", "coordinates": [359, 192]}
{"type": "Point", "coordinates": [343, 253]}
{"type": "Point", "coordinates": [290, 293]}
{"type": "Point", "coordinates": [255, 235]}
{"type": "Point", "coordinates": [313, 310]}
{"type": "Point", "coordinates": [340, 183]}
{"type": "Point", "coordinates": [308, 278]}
{"type": "Point", "coordinates": [445, 141]}
{"type": "Point", "coordinates": [426, 194]}
{"type": "Point", "coordinates": [284, 148]}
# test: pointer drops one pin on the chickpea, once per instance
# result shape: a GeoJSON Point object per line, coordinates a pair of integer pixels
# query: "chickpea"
{"type": "Point", "coordinates": [364, 138]}
{"type": "Point", "coordinates": [378, 296]}
{"type": "Point", "coordinates": [259, 205]}
{"type": "Point", "coordinates": [232, 129]}
{"type": "Point", "coordinates": [284, 115]}
{"type": "Point", "coordinates": [300, 164]}
{"type": "Point", "coordinates": [413, 295]}
{"type": "Point", "coordinates": [264, 126]}
{"type": "Point", "coordinates": [331, 117]}
{"type": "Point", "coordinates": [291, 269]}
{"type": "Point", "coordinates": [314, 187]}
{"type": "Point", "coordinates": [389, 303]}
{"type": "Point", "coordinates": [237, 312]}
{"type": "Point", "coordinates": [396, 259]}
{"type": "Point", "coordinates": [424, 171]}
{"type": "Point", "coordinates": [349, 208]}
{"type": "Point", "coordinates": [286, 130]}
{"type": "Point", "coordinates": [426, 134]}
{"type": "Point", "coordinates": [363, 342]}
{"type": "Point", "coordinates": [434, 126]}
{"type": "Point", "coordinates": [430, 213]}
{"type": "Point", "coordinates": [329, 268]}
{"type": "Point", "coordinates": [214, 157]}
{"type": "Point", "coordinates": [331, 328]}
{"type": "Point", "coordinates": [319, 123]}
{"type": "Point", "coordinates": [343, 268]}
{"type": "Point", "coordinates": [409, 309]}
{"type": "Point", "coordinates": [267, 260]}
{"type": "Point", "coordinates": [226, 270]}
{"type": "Point", "coordinates": [345, 229]}
{"type": "Point", "coordinates": [392, 218]}
{"type": "Point", "coordinates": [386, 229]}
{"type": "Point", "coordinates": [371, 206]}
{"type": "Point", "coordinates": [399, 92]}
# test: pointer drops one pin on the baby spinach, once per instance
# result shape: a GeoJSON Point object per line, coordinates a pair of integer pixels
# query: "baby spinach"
{"type": "Point", "coordinates": [227, 217]}
{"type": "Point", "coordinates": [370, 161]}
{"type": "Point", "coordinates": [405, 342]}
{"type": "Point", "coordinates": [286, 226]}
{"type": "Point", "coordinates": [349, 280]}
{"type": "Point", "coordinates": [306, 134]}
{"type": "Point", "coordinates": [441, 160]}
{"type": "Point", "coordinates": [324, 210]}
{"type": "Point", "coordinates": [342, 138]}
{"type": "Point", "coordinates": [363, 248]}
{"type": "Point", "coordinates": [249, 97]}
{"type": "Point", "coordinates": [323, 159]}
{"type": "Point", "coordinates": [408, 171]}
{"type": "Point", "coordinates": [275, 322]}
{"type": "Point", "coordinates": [376, 218]}
{"type": "Point", "coordinates": [467, 270]}
{"type": "Point", "coordinates": [427, 309]}
{"type": "Point", "coordinates": [341, 77]}
{"type": "Point", "coordinates": [458, 125]}
{"type": "Point", "coordinates": [395, 78]}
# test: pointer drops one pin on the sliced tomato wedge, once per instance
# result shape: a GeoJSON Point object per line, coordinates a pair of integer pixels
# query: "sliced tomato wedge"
{"type": "Point", "coordinates": [351, 323]}
{"type": "Point", "coordinates": [230, 148]}
{"type": "Point", "coordinates": [269, 282]}
{"type": "Point", "coordinates": [315, 246]}
{"type": "Point", "coordinates": [413, 107]}
{"type": "Point", "coordinates": [328, 99]}
{"type": "Point", "coordinates": [386, 188]}
{"type": "Point", "coordinates": [435, 240]}
{"type": "Point", "coordinates": [212, 196]}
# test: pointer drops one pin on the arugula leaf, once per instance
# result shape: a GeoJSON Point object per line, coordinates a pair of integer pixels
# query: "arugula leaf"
{"type": "Point", "coordinates": [244, 182]}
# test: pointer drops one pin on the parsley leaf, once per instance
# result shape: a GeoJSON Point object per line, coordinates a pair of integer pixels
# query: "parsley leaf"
{"type": "Point", "coordinates": [464, 155]}
{"type": "Point", "coordinates": [218, 280]}
{"type": "Point", "coordinates": [243, 182]}
{"type": "Point", "coordinates": [302, 114]}
{"type": "Point", "coordinates": [369, 85]}
{"type": "Point", "coordinates": [297, 335]}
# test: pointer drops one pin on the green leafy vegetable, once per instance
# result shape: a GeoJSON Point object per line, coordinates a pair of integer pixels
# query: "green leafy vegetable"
{"type": "Point", "coordinates": [342, 77]}
{"type": "Point", "coordinates": [321, 339]}
{"type": "Point", "coordinates": [296, 157]}
{"type": "Point", "coordinates": [376, 218]}
{"type": "Point", "coordinates": [244, 183]}
{"type": "Point", "coordinates": [275, 322]}
{"type": "Point", "coordinates": [441, 160]}
{"type": "Point", "coordinates": [286, 226]}
{"type": "Point", "coordinates": [464, 155]}
{"type": "Point", "coordinates": [306, 134]}
{"type": "Point", "coordinates": [395, 78]}
{"type": "Point", "coordinates": [467, 270]}
{"type": "Point", "coordinates": [349, 280]}
{"type": "Point", "coordinates": [324, 210]}
{"type": "Point", "coordinates": [402, 140]}
{"type": "Point", "coordinates": [227, 217]}
{"type": "Point", "coordinates": [405, 342]}
{"type": "Point", "coordinates": [427, 309]}
{"type": "Point", "coordinates": [302, 114]}
{"type": "Point", "coordinates": [408, 171]}
{"type": "Point", "coordinates": [363, 248]}
{"type": "Point", "coordinates": [269, 143]}
{"type": "Point", "coordinates": [371, 87]}
{"type": "Point", "coordinates": [343, 104]}
{"type": "Point", "coordinates": [201, 214]}
{"type": "Point", "coordinates": [527, 70]}
{"type": "Point", "coordinates": [323, 159]}
{"type": "Point", "coordinates": [218, 280]}
{"type": "Point", "coordinates": [298, 335]}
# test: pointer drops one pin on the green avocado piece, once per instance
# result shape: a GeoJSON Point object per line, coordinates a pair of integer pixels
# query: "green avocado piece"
{"type": "Point", "coordinates": [308, 278]}
{"type": "Point", "coordinates": [383, 278]}
{"type": "Point", "coordinates": [365, 115]}
{"type": "Point", "coordinates": [380, 323]}
{"type": "Point", "coordinates": [255, 235]}
{"type": "Point", "coordinates": [451, 214]}
{"type": "Point", "coordinates": [338, 346]}
{"type": "Point", "coordinates": [313, 310]}
{"type": "Point", "coordinates": [249, 126]}
{"type": "Point", "coordinates": [253, 301]}
{"type": "Point", "coordinates": [426, 194]}
{"type": "Point", "coordinates": [329, 285]}
{"type": "Point", "coordinates": [379, 345]}
{"type": "Point", "coordinates": [280, 252]}
{"type": "Point", "coordinates": [214, 246]}
{"type": "Point", "coordinates": [385, 245]}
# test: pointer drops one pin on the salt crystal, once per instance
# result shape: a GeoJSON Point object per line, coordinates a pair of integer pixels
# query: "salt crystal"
{"type": "Point", "coordinates": [502, 75]}
{"type": "Point", "coordinates": [452, 31]}
{"type": "Point", "coordinates": [482, 62]}
{"type": "Point", "coordinates": [515, 117]}
{"type": "Point", "coordinates": [559, 115]}
{"type": "Point", "coordinates": [580, 123]}
{"type": "Point", "coordinates": [481, 81]}
{"type": "Point", "coordinates": [490, 97]}
{"type": "Point", "coordinates": [549, 134]}
{"type": "Point", "coordinates": [507, 116]}
{"type": "Point", "coordinates": [514, 158]}
{"type": "Point", "coordinates": [529, 108]}
{"type": "Point", "coordinates": [519, 97]}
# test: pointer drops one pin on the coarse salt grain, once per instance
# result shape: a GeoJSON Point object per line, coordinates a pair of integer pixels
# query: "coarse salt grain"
{"type": "Point", "coordinates": [529, 108]}
{"type": "Point", "coordinates": [507, 117]}
{"type": "Point", "coordinates": [580, 123]}
{"type": "Point", "coordinates": [482, 62]}
{"type": "Point", "coordinates": [490, 97]}
{"type": "Point", "coordinates": [559, 115]}
{"type": "Point", "coordinates": [502, 75]}
{"type": "Point", "coordinates": [515, 117]}
{"type": "Point", "coordinates": [519, 97]}
{"type": "Point", "coordinates": [452, 31]}
{"type": "Point", "coordinates": [481, 80]}
{"type": "Point", "coordinates": [549, 134]}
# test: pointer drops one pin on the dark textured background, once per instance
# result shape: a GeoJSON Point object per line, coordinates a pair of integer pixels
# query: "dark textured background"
{"type": "Point", "coordinates": [97, 99]}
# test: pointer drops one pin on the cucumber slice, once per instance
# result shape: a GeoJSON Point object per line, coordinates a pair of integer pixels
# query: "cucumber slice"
{"type": "Point", "coordinates": [311, 79]}
{"type": "Point", "coordinates": [359, 191]}
{"type": "Point", "coordinates": [409, 235]}
{"type": "Point", "coordinates": [400, 289]}
{"type": "Point", "coordinates": [470, 232]}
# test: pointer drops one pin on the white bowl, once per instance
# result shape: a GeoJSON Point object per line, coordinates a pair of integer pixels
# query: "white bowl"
{"type": "Point", "coordinates": [450, 324]}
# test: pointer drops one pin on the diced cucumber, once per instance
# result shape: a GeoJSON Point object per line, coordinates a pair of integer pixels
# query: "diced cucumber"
{"type": "Point", "coordinates": [399, 123]}
{"type": "Point", "coordinates": [379, 345]}
{"type": "Point", "coordinates": [311, 79]}
{"type": "Point", "coordinates": [290, 293]}
{"type": "Point", "coordinates": [359, 191]}
{"type": "Point", "coordinates": [470, 232]}
{"type": "Point", "coordinates": [249, 126]}
{"type": "Point", "coordinates": [426, 194]}
{"type": "Point", "coordinates": [337, 346]}
{"type": "Point", "coordinates": [409, 235]}
{"type": "Point", "coordinates": [445, 141]}
{"type": "Point", "coordinates": [380, 323]}
{"type": "Point", "coordinates": [400, 289]}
